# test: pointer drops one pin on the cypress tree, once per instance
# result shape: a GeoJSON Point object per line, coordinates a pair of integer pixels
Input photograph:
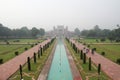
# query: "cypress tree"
{"type": "Point", "coordinates": [41, 51]}
{"type": "Point", "coordinates": [21, 72]}
{"type": "Point", "coordinates": [29, 65]}
{"type": "Point", "coordinates": [99, 68]}
{"type": "Point", "coordinates": [81, 55]}
{"type": "Point", "coordinates": [84, 58]}
{"type": "Point", "coordinates": [38, 53]}
{"type": "Point", "coordinates": [90, 64]}
{"type": "Point", "coordinates": [34, 57]}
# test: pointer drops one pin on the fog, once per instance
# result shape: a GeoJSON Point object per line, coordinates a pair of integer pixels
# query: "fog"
{"type": "Point", "coordinates": [84, 14]}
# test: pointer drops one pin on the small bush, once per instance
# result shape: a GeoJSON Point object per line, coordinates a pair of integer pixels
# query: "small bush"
{"type": "Point", "coordinates": [1, 61]}
{"type": "Point", "coordinates": [16, 41]}
{"type": "Point", "coordinates": [84, 43]}
{"type": "Point", "coordinates": [36, 44]}
{"type": "Point", "coordinates": [103, 53]}
{"type": "Point", "coordinates": [32, 45]}
{"type": "Point", "coordinates": [97, 40]}
{"type": "Point", "coordinates": [117, 40]}
{"type": "Point", "coordinates": [88, 45]}
{"type": "Point", "coordinates": [102, 39]}
{"type": "Point", "coordinates": [94, 49]}
{"type": "Point", "coordinates": [118, 61]}
{"type": "Point", "coordinates": [7, 43]}
{"type": "Point", "coordinates": [26, 48]}
{"type": "Point", "coordinates": [16, 53]}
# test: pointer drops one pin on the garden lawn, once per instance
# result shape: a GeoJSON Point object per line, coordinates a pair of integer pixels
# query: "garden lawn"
{"type": "Point", "coordinates": [93, 40]}
{"type": "Point", "coordinates": [7, 52]}
{"type": "Point", "coordinates": [25, 41]}
{"type": "Point", "coordinates": [112, 51]}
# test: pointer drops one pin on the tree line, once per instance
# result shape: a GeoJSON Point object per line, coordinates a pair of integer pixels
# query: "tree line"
{"type": "Point", "coordinates": [96, 32]}
{"type": "Point", "coordinates": [23, 32]}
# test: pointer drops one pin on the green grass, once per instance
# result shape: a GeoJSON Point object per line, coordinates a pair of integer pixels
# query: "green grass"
{"type": "Point", "coordinates": [112, 51]}
{"type": "Point", "coordinates": [36, 67]}
{"type": "Point", "coordinates": [92, 40]}
{"type": "Point", "coordinates": [26, 41]}
{"type": "Point", "coordinates": [83, 68]}
{"type": "Point", "coordinates": [7, 52]}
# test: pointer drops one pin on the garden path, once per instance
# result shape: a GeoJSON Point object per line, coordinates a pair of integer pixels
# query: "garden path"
{"type": "Point", "coordinates": [11, 66]}
{"type": "Point", "coordinates": [110, 68]}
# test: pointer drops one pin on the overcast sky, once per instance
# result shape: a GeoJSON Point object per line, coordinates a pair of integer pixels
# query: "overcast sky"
{"type": "Point", "coordinates": [83, 14]}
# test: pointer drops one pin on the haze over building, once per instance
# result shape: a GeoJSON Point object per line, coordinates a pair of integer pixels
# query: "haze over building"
{"type": "Point", "coordinates": [60, 30]}
{"type": "Point", "coordinates": [84, 14]}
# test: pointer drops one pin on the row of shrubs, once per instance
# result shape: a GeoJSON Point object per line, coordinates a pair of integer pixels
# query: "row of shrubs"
{"type": "Point", "coordinates": [83, 57]}
{"type": "Point", "coordinates": [17, 52]}
{"type": "Point", "coordinates": [39, 53]}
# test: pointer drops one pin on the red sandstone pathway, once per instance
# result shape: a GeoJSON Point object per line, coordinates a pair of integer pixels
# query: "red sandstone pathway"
{"type": "Point", "coordinates": [110, 68]}
{"type": "Point", "coordinates": [10, 67]}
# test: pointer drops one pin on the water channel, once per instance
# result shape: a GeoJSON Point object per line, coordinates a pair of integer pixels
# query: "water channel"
{"type": "Point", "coordinates": [60, 69]}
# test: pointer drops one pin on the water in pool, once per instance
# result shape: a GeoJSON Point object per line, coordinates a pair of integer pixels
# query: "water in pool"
{"type": "Point", "coordinates": [60, 69]}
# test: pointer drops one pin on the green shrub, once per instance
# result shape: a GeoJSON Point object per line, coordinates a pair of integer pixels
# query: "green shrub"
{"type": "Point", "coordinates": [26, 48]}
{"type": "Point", "coordinates": [99, 68]}
{"type": "Point", "coordinates": [90, 64]}
{"type": "Point", "coordinates": [1, 61]}
{"type": "Point", "coordinates": [16, 41]}
{"type": "Point", "coordinates": [94, 49]}
{"type": "Point", "coordinates": [7, 43]}
{"type": "Point", "coordinates": [88, 45]}
{"type": "Point", "coordinates": [118, 61]}
{"type": "Point", "coordinates": [102, 39]}
{"type": "Point", "coordinates": [97, 40]}
{"type": "Point", "coordinates": [36, 44]}
{"type": "Point", "coordinates": [117, 40]}
{"type": "Point", "coordinates": [16, 53]}
{"type": "Point", "coordinates": [103, 53]}
{"type": "Point", "coordinates": [84, 43]}
{"type": "Point", "coordinates": [32, 45]}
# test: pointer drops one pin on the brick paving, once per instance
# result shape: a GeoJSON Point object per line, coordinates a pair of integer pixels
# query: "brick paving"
{"type": "Point", "coordinates": [10, 67]}
{"type": "Point", "coordinates": [110, 68]}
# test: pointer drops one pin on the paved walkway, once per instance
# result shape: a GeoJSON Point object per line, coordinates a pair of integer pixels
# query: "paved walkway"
{"type": "Point", "coordinates": [110, 68]}
{"type": "Point", "coordinates": [10, 67]}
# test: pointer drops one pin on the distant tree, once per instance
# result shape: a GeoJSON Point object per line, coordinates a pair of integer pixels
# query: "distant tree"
{"type": "Point", "coordinates": [41, 31]}
{"type": "Point", "coordinates": [92, 33]}
{"type": "Point", "coordinates": [4, 31]}
{"type": "Point", "coordinates": [25, 31]}
{"type": "Point", "coordinates": [77, 31]}
{"type": "Point", "coordinates": [84, 32]}
{"type": "Point", "coordinates": [34, 32]}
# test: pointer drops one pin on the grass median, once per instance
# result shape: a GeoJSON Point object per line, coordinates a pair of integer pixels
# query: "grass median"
{"type": "Point", "coordinates": [35, 67]}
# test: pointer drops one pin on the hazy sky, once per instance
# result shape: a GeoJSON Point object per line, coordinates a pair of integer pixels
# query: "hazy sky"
{"type": "Point", "coordinates": [83, 14]}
